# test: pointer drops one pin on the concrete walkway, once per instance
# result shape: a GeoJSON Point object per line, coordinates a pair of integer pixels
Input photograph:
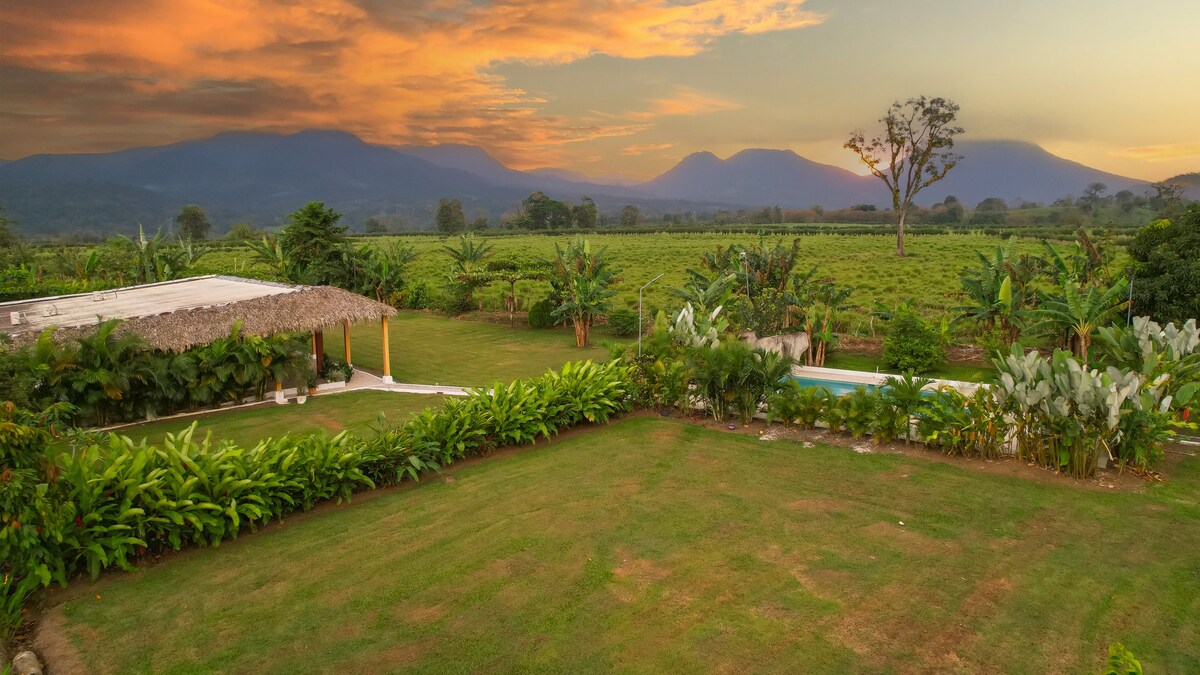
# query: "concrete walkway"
{"type": "Point", "coordinates": [361, 379]}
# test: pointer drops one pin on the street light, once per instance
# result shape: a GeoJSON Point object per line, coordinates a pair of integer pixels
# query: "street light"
{"type": "Point", "coordinates": [641, 322]}
{"type": "Point", "coordinates": [1129, 305]}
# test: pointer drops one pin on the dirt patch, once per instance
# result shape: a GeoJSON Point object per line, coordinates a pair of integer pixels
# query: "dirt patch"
{"type": "Point", "coordinates": [55, 648]}
{"type": "Point", "coordinates": [425, 614]}
{"type": "Point", "coordinates": [391, 660]}
{"type": "Point", "coordinates": [910, 541]}
{"type": "Point", "coordinates": [817, 505]}
{"type": "Point", "coordinates": [634, 576]}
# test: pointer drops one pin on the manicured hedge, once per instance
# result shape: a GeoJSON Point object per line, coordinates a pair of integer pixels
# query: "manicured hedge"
{"type": "Point", "coordinates": [114, 500]}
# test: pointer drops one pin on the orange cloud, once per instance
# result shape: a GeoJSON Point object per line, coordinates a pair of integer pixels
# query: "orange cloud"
{"type": "Point", "coordinates": [1161, 153]}
{"type": "Point", "coordinates": [641, 149]}
{"type": "Point", "coordinates": [100, 74]}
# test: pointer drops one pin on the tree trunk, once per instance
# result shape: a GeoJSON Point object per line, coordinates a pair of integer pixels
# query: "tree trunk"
{"type": "Point", "coordinates": [581, 336]}
{"type": "Point", "coordinates": [900, 232]}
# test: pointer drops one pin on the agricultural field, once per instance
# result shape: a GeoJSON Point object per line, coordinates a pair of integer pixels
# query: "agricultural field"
{"type": "Point", "coordinates": [929, 275]}
{"type": "Point", "coordinates": [656, 545]}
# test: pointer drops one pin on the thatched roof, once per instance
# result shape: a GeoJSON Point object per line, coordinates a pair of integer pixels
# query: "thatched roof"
{"type": "Point", "coordinates": [176, 315]}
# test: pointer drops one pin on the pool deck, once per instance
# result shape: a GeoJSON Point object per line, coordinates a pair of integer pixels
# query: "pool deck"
{"type": "Point", "coordinates": [874, 379]}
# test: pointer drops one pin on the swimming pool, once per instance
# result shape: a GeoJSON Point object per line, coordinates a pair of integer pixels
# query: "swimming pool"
{"type": "Point", "coordinates": [836, 387]}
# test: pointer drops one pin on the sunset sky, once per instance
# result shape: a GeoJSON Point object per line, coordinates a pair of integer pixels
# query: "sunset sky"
{"type": "Point", "coordinates": [604, 87]}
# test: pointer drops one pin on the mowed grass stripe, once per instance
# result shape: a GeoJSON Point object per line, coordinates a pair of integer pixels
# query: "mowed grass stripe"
{"type": "Point", "coordinates": [657, 546]}
{"type": "Point", "coordinates": [429, 348]}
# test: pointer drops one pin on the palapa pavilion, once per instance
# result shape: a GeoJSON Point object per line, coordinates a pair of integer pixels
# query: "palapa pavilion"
{"type": "Point", "coordinates": [183, 313]}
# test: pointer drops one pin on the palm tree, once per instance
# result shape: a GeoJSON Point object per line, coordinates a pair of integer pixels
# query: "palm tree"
{"type": "Point", "coordinates": [109, 366]}
{"type": "Point", "coordinates": [906, 395]}
{"type": "Point", "coordinates": [1080, 311]}
{"type": "Point", "coordinates": [703, 293]}
{"type": "Point", "coordinates": [584, 278]}
{"type": "Point", "coordinates": [467, 259]}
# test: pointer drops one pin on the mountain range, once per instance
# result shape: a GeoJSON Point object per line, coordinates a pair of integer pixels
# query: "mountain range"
{"type": "Point", "coordinates": [260, 178]}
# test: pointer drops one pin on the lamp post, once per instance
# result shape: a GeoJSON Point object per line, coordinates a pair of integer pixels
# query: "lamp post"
{"type": "Point", "coordinates": [641, 322]}
{"type": "Point", "coordinates": [1129, 305]}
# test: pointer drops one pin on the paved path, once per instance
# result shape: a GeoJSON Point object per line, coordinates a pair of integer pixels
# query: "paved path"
{"type": "Point", "coordinates": [361, 379]}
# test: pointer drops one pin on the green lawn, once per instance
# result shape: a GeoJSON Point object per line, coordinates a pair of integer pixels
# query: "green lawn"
{"type": "Point", "coordinates": [659, 546]}
{"type": "Point", "coordinates": [432, 349]}
{"type": "Point", "coordinates": [356, 411]}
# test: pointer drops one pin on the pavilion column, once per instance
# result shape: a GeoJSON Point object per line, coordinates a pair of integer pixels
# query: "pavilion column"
{"type": "Point", "coordinates": [346, 340]}
{"type": "Point", "coordinates": [387, 354]}
{"type": "Point", "coordinates": [319, 348]}
{"type": "Point", "coordinates": [279, 392]}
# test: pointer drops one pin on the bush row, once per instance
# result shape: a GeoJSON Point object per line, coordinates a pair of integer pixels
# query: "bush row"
{"type": "Point", "coordinates": [112, 376]}
{"type": "Point", "coordinates": [113, 500]}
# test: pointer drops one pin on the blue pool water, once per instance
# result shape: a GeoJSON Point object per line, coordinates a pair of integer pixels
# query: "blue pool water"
{"type": "Point", "coordinates": [837, 387]}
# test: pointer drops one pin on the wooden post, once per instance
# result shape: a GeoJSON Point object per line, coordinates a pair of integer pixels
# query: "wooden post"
{"type": "Point", "coordinates": [346, 339]}
{"type": "Point", "coordinates": [319, 348]}
{"type": "Point", "coordinates": [387, 355]}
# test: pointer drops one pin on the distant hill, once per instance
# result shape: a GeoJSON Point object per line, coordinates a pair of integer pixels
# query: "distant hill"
{"type": "Point", "coordinates": [1190, 183]}
{"type": "Point", "coordinates": [1015, 170]}
{"type": "Point", "coordinates": [764, 178]}
{"type": "Point", "coordinates": [261, 178]}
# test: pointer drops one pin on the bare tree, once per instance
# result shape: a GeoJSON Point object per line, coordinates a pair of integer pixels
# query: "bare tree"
{"type": "Point", "coordinates": [913, 152]}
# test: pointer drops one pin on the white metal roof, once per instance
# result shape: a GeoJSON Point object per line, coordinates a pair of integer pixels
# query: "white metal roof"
{"type": "Point", "coordinates": [132, 302]}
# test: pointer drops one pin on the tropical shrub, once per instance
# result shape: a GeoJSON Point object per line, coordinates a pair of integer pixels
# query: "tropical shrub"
{"type": "Point", "coordinates": [541, 314]}
{"type": "Point", "coordinates": [623, 322]}
{"type": "Point", "coordinates": [1064, 415]}
{"type": "Point", "coordinates": [794, 403]}
{"type": "Point", "coordinates": [858, 410]}
{"type": "Point", "coordinates": [1121, 661]}
{"type": "Point", "coordinates": [1166, 272]}
{"type": "Point", "coordinates": [903, 397]}
{"type": "Point", "coordinates": [733, 377]}
{"type": "Point", "coordinates": [912, 344]}
{"type": "Point", "coordinates": [112, 376]}
{"type": "Point", "coordinates": [112, 501]}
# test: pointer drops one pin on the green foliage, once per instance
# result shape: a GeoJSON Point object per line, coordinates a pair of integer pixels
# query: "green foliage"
{"type": "Point", "coordinates": [623, 322]}
{"type": "Point", "coordinates": [450, 218]}
{"type": "Point", "coordinates": [1167, 270]}
{"type": "Point", "coordinates": [193, 223]}
{"type": "Point", "coordinates": [1064, 415]}
{"type": "Point", "coordinates": [1121, 661]}
{"type": "Point", "coordinates": [312, 245]}
{"type": "Point", "coordinates": [467, 258]}
{"type": "Point", "coordinates": [905, 396]}
{"type": "Point", "coordinates": [544, 213]}
{"type": "Point", "coordinates": [796, 404]}
{"type": "Point", "coordinates": [112, 501]}
{"type": "Point", "coordinates": [541, 314]}
{"type": "Point", "coordinates": [1080, 310]}
{"type": "Point", "coordinates": [912, 344]}
{"type": "Point", "coordinates": [114, 376]}
{"type": "Point", "coordinates": [858, 410]}
{"type": "Point", "coordinates": [583, 279]}
{"type": "Point", "coordinates": [735, 378]}
{"type": "Point", "coordinates": [156, 259]}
